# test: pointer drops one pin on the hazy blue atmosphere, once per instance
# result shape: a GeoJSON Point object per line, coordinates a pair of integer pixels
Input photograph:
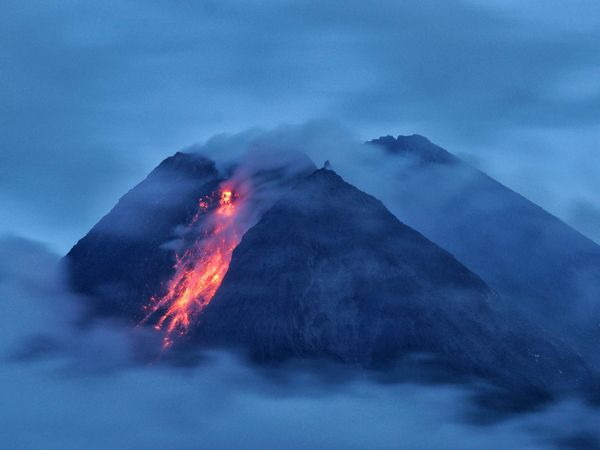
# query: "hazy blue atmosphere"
{"type": "Point", "coordinates": [95, 94]}
{"type": "Point", "coordinates": [64, 388]}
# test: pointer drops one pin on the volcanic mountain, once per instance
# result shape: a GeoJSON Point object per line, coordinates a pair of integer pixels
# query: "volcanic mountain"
{"type": "Point", "coordinates": [324, 270]}
{"type": "Point", "coordinates": [541, 266]}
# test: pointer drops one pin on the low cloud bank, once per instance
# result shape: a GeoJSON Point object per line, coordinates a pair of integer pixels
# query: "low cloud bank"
{"type": "Point", "coordinates": [65, 386]}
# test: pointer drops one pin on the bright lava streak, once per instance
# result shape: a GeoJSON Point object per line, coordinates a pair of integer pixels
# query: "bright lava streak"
{"type": "Point", "coordinates": [199, 271]}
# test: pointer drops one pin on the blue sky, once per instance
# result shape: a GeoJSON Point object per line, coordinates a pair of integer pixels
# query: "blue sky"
{"type": "Point", "coordinates": [94, 94]}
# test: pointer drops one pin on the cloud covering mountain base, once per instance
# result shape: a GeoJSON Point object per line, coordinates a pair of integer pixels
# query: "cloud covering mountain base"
{"type": "Point", "coordinates": [66, 386]}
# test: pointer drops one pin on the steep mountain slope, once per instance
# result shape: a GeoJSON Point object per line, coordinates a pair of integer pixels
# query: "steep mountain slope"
{"type": "Point", "coordinates": [130, 254]}
{"type": "Point", "coordinates": [122, 261]}
{"type": "Point", "coordinates": [540, 265]}
{"type": "Point", "coordinates": [330, 272]}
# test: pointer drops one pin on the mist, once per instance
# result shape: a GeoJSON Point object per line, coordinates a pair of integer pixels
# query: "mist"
{"type": "Point", "coordinates": [66, 387]}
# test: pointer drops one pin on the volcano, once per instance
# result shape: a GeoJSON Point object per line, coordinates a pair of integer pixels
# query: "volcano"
{"type": "Point", "coordinates": [320, 269]}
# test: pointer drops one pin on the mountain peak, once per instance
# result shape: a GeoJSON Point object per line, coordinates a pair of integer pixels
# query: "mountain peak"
{"type": "Point", "coordinates": [326, 174]}
{"type": "Point", "coordinates": [186, 164]}
{"type": "Point", "coordinates": [417, 146]}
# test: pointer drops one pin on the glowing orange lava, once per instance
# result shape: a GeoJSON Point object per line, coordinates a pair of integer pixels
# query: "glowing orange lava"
{"type": "Point", "coordinates": [200, 269]}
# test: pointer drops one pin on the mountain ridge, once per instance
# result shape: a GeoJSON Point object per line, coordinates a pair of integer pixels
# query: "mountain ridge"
{"type": "Point", "coordinates": [539, 264]}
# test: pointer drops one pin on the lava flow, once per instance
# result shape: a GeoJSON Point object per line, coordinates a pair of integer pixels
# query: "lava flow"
{"type": "Point", "coordinates": [201, 268]}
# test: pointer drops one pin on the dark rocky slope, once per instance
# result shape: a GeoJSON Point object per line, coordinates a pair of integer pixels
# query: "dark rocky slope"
{"type": "Point", "coordinates": [122, 261]}
{"type": "Point", "coordinates": [330, 272]}
{"type": "Point", "coordinates": [127, 257]}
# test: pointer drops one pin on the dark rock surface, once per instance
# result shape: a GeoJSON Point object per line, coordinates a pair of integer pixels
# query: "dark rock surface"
{"type": "Point", "coordinates": [418, 147]}
{"type": "Point", "coordinates": [330, 272]}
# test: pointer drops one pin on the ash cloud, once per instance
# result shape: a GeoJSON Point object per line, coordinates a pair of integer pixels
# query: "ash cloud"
{"type": "Point", "coordinates": [90, 392]}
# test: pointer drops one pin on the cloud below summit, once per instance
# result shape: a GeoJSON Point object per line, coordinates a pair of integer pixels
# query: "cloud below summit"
{"type": "Point", "coordinates": [84, 389]}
